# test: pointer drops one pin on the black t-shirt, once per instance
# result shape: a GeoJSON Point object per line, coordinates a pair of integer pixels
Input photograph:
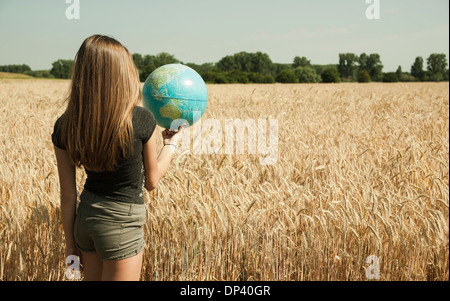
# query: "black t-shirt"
{"type": "Point", "coordinates": [126, 183]}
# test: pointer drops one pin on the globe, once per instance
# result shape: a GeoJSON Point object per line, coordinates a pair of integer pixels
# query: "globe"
{"type": "Point", "coordinates": [175, 94]}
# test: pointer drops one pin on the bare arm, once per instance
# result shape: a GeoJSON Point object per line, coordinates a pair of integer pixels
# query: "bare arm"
{"type": "Point", "coordinates": [67, 181]}
{"type": "Point", "coordinates": [156, 166]}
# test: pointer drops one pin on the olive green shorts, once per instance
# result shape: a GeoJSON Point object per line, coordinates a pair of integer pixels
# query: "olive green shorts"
{"type": "Point", "coordinates": [113, 229]}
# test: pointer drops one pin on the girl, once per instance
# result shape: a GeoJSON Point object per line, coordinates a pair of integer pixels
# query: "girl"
{"type": "Point", "coordinates": [104, 130]}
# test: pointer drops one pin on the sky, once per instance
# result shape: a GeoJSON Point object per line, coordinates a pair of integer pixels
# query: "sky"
{"type": "Point", "coordinates": [38, 32]}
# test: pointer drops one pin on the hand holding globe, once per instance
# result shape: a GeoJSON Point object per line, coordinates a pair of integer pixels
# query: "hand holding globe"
{"type": "Point", "coordinates": [172, 137]}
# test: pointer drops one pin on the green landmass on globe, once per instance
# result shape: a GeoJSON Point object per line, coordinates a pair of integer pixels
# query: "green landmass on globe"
{"type": "Point", "coordinates": [170, 111]}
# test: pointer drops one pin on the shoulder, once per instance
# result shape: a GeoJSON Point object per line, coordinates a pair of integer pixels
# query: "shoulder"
{"type": "Point", "coordinates": [56, 135]}
{"type": "Point", "coordinates": [144, 123]}
{"type": "Point", "coordinates": [142, 116]}
{"type": "Point", "coordinates": [141, 113]}
{"type": "Point", "coordinates": [58, 122]}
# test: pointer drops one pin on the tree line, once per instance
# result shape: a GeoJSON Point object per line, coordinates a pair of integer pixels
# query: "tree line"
{"type": "Point", "coordinates": [244, 67]}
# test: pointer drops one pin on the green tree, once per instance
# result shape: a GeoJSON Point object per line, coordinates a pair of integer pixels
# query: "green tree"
{"type": "Point", "coordinates": [363, 76]}
{"type": "Point", "coordinates": [146, 66]}
{"type": "Point", "coordinates": [148, 63]}
{"type": "Point", "coordinates": [286, 76]}
{"type": "Point", "coordinates": [138, 61]}
{"type": "Point", "coordinates": [437, 66]}
{"type": "Point", "coordinates": [227, 63]}
{"type": "Point", "coordinates": [417, 69]}
{"type": "Point", "coordinates": [247, 62]}
{"type": "Point", "coordinates": [372, 64]}
{"type": "Point", "coordinates": [164, 58]}
{"type": "Point", "coordinates": [203, 68]}
{"type": "Point", "coordinates": [137, 58]}
{"type": "Point", "coordinates": [277, 68]}
{"type": "Point", "coordinates": [62, 69]}
{"type": "Point", "coordinates": [306, 75]}
{"type": "Point", "coordinates": [390, 77]}
{"type": "Point", "coordinates": [375, 67]}
{"type": "Point", "coordinates": [399, 72]}
{"type": "Point", "coordinates": [301, 62]}
{"type": "Point", "coordinates": [261, 63]}
{"type": "Point", "coordinates": [40, 73]}
{"type": "Point", "coordinates": [215, 77]}
{"type": "Point", "coordinates": [347, 65]}
{"type": "Point", "coordinates": [330, 75]}
{"type": "Point", "coordinates": [220, 78]}
{"type": "Point", "coordinates": [254, 77]}
{"type": "Point", "coordinates": [362, 62]}
{"type": "Point", "coordinates": [268, 79]}
{"type": "Point", "coordinates": [407, 77]}
{"type": "Point", "coordinates": [236, 76]}
{"type": "Point", "coordinates": [15, 68]}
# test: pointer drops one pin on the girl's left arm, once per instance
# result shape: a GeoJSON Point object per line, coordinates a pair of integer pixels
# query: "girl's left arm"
{"type": "Point", "coordinates": [67, 182]}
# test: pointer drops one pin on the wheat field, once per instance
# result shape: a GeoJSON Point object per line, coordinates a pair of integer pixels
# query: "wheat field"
{"type": "Point", "coordinates": [362, 169]}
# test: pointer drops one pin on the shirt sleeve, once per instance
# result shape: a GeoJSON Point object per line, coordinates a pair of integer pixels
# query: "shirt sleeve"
{"type": "Point", "coordinates": [149, 125]}
{"type": "Point", "coordinates": [56, 135]}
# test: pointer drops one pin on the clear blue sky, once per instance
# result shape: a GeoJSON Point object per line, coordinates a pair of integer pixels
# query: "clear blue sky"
{"type": "Point", "coordinates": [37, 32]}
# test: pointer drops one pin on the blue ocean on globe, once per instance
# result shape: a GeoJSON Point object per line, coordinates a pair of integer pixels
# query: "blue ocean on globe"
{"type": "Point", "coordinates": [175, 92]}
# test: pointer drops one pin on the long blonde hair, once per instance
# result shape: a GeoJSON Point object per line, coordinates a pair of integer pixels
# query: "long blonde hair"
{"type": "Point", "coordinates": [97, 125]}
